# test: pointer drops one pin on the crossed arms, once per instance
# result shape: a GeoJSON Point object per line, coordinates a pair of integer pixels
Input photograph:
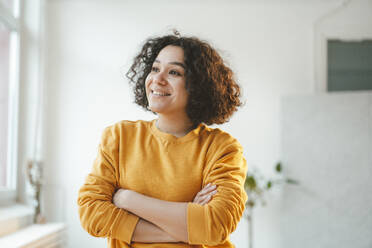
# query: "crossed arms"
{"type": "Point", "coordinates": [128, 216]}
{"type": "Point", "coordinates": [161, 221]}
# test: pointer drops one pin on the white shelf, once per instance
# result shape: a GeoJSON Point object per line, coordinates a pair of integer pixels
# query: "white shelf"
{"type": "Point", "coordinates": [14, 218]}
{"type": "Point", "coordinates": [38, 235]}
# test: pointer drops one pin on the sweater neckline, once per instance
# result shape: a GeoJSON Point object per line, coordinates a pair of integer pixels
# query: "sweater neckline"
{"type": "Point", "coordinates": [171, 138]}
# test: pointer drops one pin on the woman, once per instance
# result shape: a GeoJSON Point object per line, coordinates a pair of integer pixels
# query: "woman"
{"type": "Point", "coordinates": [173, 181]}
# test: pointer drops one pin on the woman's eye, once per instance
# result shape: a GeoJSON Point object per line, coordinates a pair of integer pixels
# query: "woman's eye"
{"type": "Point", "coordinates": [154, 69]}
{"type": "Point", "coordinates": [173, 72]}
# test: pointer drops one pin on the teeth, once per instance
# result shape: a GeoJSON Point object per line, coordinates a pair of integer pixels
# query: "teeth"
{"type": "Point", "coordinates": [158, 93]}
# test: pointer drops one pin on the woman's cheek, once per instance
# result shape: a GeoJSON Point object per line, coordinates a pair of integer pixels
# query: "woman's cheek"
{"type": "Point", "coordinates": [147, 82]}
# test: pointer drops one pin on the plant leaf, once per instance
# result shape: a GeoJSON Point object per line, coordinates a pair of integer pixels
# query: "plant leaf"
{"type": "Point", "coordinates": [292, 181]}
{"type": "Point", "coordinates": [250, 203]}
{"type": "Point", "coordinates": [278, 167]}
{"type": "Point", "coordinates": [269, 184]}
{"type": "Point", "coordinates": [250, 183]}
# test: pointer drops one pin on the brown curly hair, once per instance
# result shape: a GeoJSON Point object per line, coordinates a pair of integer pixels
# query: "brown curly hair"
{"type": "Point", "coordinates": [213, 93]}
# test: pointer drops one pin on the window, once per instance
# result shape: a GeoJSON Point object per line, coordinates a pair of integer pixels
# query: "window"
{"type": "Point", "coordinates": [349, 65]}
{"type": "Point", "coordinates": [9, 57]}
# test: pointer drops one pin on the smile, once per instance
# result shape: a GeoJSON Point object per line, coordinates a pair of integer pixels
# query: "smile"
{"type": "Point", "coordinates": [159, 93]}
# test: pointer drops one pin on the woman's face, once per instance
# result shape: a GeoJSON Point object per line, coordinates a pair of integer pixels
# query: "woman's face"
{"type": "Point", "coordinates": [165, 84]}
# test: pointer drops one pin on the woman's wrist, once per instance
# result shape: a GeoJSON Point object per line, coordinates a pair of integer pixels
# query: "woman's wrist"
{"type": "Point", "coordinates": [121, 198]}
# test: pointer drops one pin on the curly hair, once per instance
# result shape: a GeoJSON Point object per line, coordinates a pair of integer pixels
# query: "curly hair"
{"type": "Point", "coordinates": [213, 92]}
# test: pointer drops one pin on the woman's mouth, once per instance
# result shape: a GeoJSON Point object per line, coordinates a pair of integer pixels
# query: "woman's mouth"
{"type": "Point", "coordinates": [159, 93]}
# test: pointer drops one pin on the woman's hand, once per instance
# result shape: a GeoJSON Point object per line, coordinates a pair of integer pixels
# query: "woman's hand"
{"type": "Point", "coordinates": [205, 195]}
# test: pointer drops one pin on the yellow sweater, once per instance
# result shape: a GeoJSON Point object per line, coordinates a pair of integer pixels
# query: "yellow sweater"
{"type": "Point", "coordinates": [136, 155]}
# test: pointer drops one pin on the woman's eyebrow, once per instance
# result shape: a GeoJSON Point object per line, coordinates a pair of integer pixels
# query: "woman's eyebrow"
{"type": "Point", "coordinates": [173, 63]}
{"type": "Point", "coordinates": [178, 63]}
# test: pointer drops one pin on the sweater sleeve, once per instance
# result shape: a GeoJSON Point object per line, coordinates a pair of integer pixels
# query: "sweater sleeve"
{"type": "Point", "coordinates": [212, 223]}
{"type": "Point", "coordinates": [98, 215]}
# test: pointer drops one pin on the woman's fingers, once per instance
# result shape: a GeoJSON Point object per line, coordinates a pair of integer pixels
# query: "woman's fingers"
{"type": "Point", "coordinates": [206, 190]}
{"type": "Point", "coordinates": [205, 195]}
{"type": "Point", "coordinates": [207, 198]}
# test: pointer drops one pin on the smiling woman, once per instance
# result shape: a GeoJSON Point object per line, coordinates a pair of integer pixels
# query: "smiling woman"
{"type": "Point", "coordinates": [165, 84]}
{"type": "Point", "coordinates": [172, 180]}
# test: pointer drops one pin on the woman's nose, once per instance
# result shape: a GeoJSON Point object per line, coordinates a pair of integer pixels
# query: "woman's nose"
{"type": "Point", "coordinates": [159, 78]}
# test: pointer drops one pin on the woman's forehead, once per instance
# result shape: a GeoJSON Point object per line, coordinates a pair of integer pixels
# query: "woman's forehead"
{"type": "Point", "coordinates": [170, 54]}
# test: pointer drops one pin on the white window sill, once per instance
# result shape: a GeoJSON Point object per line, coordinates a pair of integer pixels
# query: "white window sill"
{"type": "Point", "coordinates": [14, 218]}
{"type": "Point", "coordinates": [38, 235]}
{"type": "Point", "coordinates": [7, 196]}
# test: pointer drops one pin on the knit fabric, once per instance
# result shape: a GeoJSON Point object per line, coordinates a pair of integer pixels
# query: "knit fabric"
{"type": "Point", "coordinates": [136, 155]}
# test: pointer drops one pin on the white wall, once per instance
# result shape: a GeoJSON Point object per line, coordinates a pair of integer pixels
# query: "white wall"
{"type": "Point", "coordinates": [327, 144]}
{"type": "Point", "coordinates": [90, 44]}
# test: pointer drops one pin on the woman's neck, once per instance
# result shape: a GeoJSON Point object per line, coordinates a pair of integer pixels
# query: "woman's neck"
{"type": "Point", "coordinates": [176, 126]}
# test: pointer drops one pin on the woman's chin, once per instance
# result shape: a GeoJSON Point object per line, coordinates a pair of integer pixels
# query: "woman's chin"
{"type": "Point", "coordinates": [155, 109]}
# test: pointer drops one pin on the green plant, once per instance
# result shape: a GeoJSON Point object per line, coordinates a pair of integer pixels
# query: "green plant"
{"type": "Point", "coordinates": [256, 185]}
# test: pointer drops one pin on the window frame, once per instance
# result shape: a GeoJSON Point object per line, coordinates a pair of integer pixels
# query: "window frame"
{"type": "Point", "coordinates": [10, 20]}
{"type": "Point", "coordinates": [336, 24]}
{"type": "Point", "coordinates": [321, 67]}
{"type": "Point", "coordinates": [350, 88]}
